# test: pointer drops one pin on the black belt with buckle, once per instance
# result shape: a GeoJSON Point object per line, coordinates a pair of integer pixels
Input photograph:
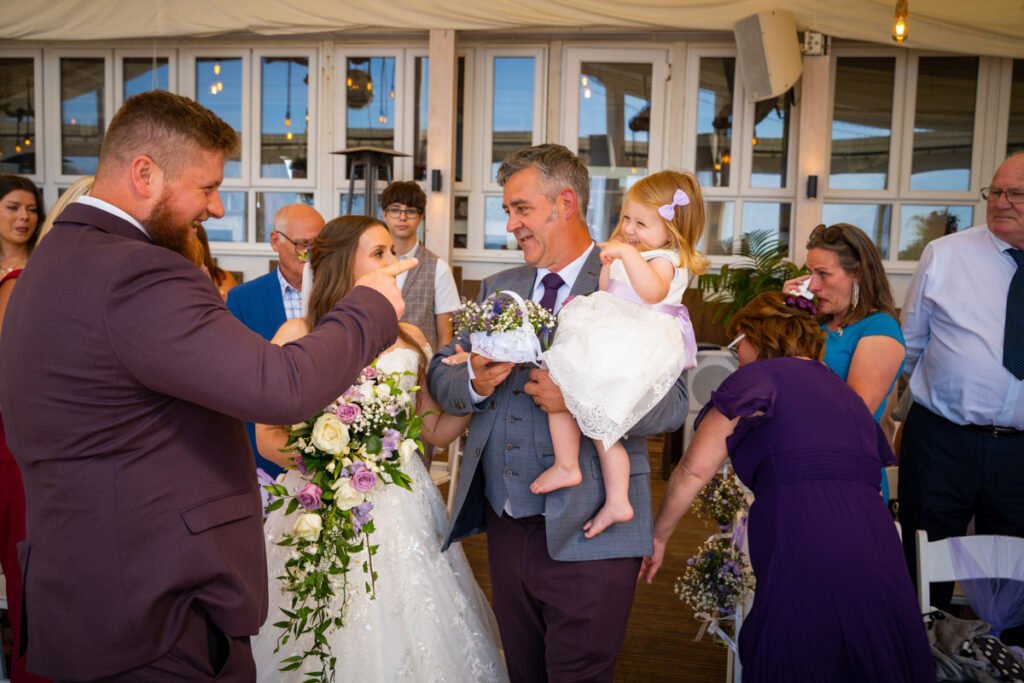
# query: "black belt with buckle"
{"type": "Point", "coordinates": [993, 430]}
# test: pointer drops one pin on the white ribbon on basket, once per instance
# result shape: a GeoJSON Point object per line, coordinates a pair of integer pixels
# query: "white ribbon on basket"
{"type": "Point", "coordinates": [515, 346]}
{"type": "Point", "coordinates": [710, 625]}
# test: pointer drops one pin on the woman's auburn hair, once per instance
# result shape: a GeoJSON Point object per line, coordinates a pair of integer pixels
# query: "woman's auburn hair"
{"type": "Point", "coordinates": [777, 330]}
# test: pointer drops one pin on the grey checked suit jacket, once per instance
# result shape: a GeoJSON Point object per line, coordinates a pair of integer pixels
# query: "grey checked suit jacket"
{"type": "Point", "coordinates": [508, 421]}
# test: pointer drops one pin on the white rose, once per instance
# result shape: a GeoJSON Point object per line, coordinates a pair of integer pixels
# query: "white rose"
{"type": "Point", "coordinates": [366, 390]}
{"type": "Point", "coordinates": [346, 497]}
{"type": "Point", "coordinates": [406, 449]}
{"type": "Point", "coordinates": [308, 526]}
{"type": "Point", "coordinates": [330, 434]}
{"type": "Point", "coordinates": [383, 390]}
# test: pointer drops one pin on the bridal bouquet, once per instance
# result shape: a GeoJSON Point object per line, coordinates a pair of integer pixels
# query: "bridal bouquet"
{"type": "Point", "coordinates": [354, 447]}
{"type": "Point", "coordinates": [504, 327]}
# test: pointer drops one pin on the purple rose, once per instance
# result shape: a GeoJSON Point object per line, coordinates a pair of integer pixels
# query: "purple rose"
{"type": "Point", "coordinates": [370, 373]}
{"type": "Point", "coordinates": [347, 412]}
{"type": "Point", "coordinates": [309, 497]}
{"type": "Point", "coordinates": [363, 480]}
{"type": "Point", "coordinates": [361, 515]}
{"type": "Point", "coordinates": [391, 440]}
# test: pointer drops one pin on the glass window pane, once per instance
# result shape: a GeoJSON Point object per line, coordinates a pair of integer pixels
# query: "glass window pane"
{"type": "Point", "coordinates": [358, 205]}
{"type": "Point", "coordinates": [614, 135]}
{"type": "Point", "coordinates": [714, 120]}
{"type": "Point", "coordinates": [142, 74]}
{"type": "Point", "coordinates": [370, 97]}
{"type": "Point", "coordinates": [232, 227]}
{"type": "Point", "coordinates": [862, 123]}
{"type": "Point", "coordinates": [267, 206]}
{"type": "Point", "coordinates": [771, 216]}
{"type": "Point", "coordinates": [284, 117]}
{"type": "Point", "coordinates": [420, 122]}
{"type": "Point", "coordinates": [717, 239]}
{"type": "Point", "coordinates": [921, 224]}
{"type": "Point", "coordinates": [219, 89]}
{"type": "Point", "coordinates": [944, 123]}
{"type": "Point", "coordinates": [1015, 134]}
{"type": "Point", "coordinates": [82, 81]}
{"type": "Point", "coordinates": [874, 219]}
{"type": "Point", "coordinates": [460, 227]}
{"type": "Point", "coordinates": [770, 143]}
{"type": "Point", "coordinates": [512, 120]}
{"type": "Point", "coordinates": [495, 220]}
{"type": "Point", "coordinates": [18, 116]}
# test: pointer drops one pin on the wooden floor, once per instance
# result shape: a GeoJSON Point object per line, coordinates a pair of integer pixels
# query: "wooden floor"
{"type": "Point", "coordinates": [659, 643]}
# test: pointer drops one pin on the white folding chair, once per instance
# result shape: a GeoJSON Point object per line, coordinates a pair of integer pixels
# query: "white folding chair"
{"type": "Point", "coordinates": [935, 561]}
{"type": "Point", "coordinates": [447, 471]}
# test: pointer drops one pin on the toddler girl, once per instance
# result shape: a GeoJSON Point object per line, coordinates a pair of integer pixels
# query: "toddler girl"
{"type": "Point", "coordinates": [618, 351]}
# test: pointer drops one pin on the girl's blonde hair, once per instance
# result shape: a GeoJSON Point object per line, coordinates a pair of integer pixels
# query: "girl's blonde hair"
{"type": "Point", "coordinates": [80, 187]}
{"type": "Point", "coordinates": [687, 225]}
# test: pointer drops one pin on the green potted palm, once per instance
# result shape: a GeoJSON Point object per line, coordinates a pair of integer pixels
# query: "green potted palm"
{"type": "Point", "coordinates": [764, 267]}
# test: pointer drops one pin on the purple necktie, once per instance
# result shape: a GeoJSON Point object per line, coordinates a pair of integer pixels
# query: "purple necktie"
{"type": "Point", "coordinates": [552, 282]}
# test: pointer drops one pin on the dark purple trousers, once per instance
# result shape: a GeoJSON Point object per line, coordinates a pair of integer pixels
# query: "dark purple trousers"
{"type": "Point", "coordinates": [559, 621]}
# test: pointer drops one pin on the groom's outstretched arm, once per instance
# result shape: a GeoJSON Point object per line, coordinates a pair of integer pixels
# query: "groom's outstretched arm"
{"type": "Point", "coordinates": [668, 415]}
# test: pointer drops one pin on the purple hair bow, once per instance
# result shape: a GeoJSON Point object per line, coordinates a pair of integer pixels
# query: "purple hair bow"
{"type": "Point", "coordinates": [668, 211]}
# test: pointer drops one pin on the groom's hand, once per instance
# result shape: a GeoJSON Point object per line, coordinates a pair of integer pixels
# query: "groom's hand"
{"type": "Point", "coordinates": [487, 374]}
{"type": "Point", "coordinates": [545, 393]}
{"type": "Point", "coordinates": [383, 281]}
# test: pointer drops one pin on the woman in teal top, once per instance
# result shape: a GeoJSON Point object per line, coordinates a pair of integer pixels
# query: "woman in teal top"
{"type": "Point", "coordinates": [865, 346]}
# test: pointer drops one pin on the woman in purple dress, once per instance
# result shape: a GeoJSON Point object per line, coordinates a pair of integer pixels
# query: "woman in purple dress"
{"type": "Point", "coordinates": [834, 601]}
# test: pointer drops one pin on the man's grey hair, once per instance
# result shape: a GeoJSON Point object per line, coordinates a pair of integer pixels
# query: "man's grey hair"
{"type": "Point", "coordinates": [558, 167]}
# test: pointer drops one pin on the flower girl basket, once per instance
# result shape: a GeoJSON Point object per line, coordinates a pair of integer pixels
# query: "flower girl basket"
{"type": "Point", "coordinates": [515, 346]}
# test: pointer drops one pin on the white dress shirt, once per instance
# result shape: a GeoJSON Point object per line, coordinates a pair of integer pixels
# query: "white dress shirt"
{"type": "Point", "coordinates": [953, 323]}
{"type": "Point", "coordinates": [110, 208]}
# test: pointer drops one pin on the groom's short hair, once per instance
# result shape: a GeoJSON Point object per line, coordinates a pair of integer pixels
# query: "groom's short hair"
{"type": "Point", "coordinates": [559, 168]}
{"type": "Point", "coordinates": [168, 128]}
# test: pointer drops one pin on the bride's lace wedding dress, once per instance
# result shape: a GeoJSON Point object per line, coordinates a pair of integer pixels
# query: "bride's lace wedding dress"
{"type": "Point", "coordinates": [429, 622]}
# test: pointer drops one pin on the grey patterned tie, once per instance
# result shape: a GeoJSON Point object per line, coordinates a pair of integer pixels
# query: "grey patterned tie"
{"type": "Point", "coordinates": [1013, 337]}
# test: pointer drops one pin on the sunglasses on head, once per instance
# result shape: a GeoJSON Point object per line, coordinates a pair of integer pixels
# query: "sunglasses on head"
{"type": "Point", "coordinates": [830, 234]}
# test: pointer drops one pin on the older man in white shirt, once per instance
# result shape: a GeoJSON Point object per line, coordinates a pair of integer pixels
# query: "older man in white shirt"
{"type": "Point", "coordinates": [963, 321]}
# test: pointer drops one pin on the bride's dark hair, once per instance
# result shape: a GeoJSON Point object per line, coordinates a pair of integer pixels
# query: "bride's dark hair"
{"type": "Point", "coordinates": [332, 256]}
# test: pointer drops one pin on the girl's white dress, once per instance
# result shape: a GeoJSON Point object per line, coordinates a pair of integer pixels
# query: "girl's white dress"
{"type": "Point", "coordinates": [429, 622]}
{"type": "Point", "coordinates": [615, 358]}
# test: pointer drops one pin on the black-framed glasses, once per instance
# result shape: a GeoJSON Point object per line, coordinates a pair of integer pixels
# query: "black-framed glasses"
{"type": "Point", "coordinates": [302, 247]}
{"type": "Point", "coordinates": [399, 212]}
{"type": "Point", "coordinates": [1014, 195]}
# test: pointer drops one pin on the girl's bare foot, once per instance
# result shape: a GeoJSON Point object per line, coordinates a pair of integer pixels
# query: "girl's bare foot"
{"type": "Point", "coordinates": [557, 477]}
{"type": "Point", "coordinates": [610, 513]}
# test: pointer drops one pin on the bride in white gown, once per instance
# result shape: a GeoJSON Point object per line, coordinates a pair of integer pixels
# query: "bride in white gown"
{"type": "Point", "coordinates": [429, 621]}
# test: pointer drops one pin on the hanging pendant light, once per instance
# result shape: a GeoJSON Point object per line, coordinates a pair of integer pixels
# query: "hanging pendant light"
{"type": "Point", "coordinates": [899, 28]}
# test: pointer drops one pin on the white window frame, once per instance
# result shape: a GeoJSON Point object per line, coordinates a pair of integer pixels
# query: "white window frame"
{"type": "Point", "coordinates": [739, 191]}
{"type": "Point", "coordinates": [187, 80]}
{"type": "Point", "coordinates": [259, 183]}
{"type": "Point", "coordinates": [120, 54]}
{"type": "Point", "coordinates": [51, 77]}
{"type": "Point", "coordinates": [41, 117]}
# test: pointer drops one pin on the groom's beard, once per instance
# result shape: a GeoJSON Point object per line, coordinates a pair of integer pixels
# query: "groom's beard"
{"type": "Point", "coordinates": [167, 230]}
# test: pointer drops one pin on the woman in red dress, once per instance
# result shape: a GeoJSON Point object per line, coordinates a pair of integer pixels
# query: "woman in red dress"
{"type": "Point", "coordinates": [21, 212]}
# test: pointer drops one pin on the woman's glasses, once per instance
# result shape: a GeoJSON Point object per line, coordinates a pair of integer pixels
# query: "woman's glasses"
{"type": "Point", "coordinates": [734, 346]}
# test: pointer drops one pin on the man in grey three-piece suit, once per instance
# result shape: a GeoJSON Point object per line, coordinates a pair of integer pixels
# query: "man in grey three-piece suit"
{"type": "Point", "coordinates": [562, 601]}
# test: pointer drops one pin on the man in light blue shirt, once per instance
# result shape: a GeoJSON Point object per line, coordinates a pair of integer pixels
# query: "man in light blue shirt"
{"type": "Point", "coordinates": [963, 443]}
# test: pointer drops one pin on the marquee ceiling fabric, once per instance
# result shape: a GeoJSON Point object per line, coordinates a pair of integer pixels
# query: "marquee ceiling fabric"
{"type": "Point", "coordinates": [994, 27]}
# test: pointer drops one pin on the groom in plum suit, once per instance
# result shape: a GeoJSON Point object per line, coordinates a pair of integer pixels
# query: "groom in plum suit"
{"type": "Point", "coordinates": [562, 601]}
{"type": "Point", "coordinates": [124, 384]}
